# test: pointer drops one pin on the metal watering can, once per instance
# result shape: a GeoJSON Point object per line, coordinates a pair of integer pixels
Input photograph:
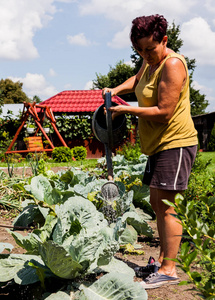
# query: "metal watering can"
{"type": "Point", "coordinates": [110, 133]}
{"type": "Point", "coordinates": [105, 130]}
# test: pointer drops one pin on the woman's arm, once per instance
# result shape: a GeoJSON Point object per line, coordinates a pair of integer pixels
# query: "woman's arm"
{"type": "Point", "coordinates": [170, 86]}
{"type": "Point", "coordinates": [126, 87]}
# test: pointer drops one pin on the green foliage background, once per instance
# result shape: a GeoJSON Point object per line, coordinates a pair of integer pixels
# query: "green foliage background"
{"type": "Point", "coordinates": [11, 92]}
{"type": "Point", "coordinates": [211, 144]}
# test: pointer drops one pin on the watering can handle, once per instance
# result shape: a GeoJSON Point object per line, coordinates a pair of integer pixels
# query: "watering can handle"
{"type": "Point", "coordinates": [109, 145]}
{"type": "Point", "coordinates": [109, 119]}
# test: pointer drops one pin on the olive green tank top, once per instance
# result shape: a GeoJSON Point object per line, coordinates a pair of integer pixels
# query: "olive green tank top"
{"type": "Point", "coordinates": [180, 130]}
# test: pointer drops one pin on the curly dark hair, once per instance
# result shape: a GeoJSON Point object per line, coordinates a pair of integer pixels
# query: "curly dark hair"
{"type": "Point", "coordinates": [145, 26]}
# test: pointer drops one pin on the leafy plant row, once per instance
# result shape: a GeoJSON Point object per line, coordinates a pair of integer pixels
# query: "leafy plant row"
{"type": "Point", "coordinates": [78, 234]}
{"type": "Point", "coordinates": [56, 201]}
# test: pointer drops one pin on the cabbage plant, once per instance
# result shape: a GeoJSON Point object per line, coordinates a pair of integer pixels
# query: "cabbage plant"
{"type": "Point", "coordinates": [75, 183]}
{"type": "Point", "coordinates": [74, 238]}
{"type": "Point", "coordinates": [74, 243]}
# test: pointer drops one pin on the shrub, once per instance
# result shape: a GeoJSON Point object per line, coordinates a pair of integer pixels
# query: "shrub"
{"type": "Point", "coordinates": [130, 151]}
{"type": "Point", "coordinates": [62, 154]}
{"type": "Point", "coordinates": [5, 141]}
{"type": "Point", "coordinates": [13, 158]}
{"type": "Point", "coordinates": [79, 152]}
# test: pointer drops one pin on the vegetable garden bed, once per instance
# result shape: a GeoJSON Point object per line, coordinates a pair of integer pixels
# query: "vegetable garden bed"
{"type": "Point", "coordinates": [149, 246]}
{"type": "Point", "coordinates": [81, 242]}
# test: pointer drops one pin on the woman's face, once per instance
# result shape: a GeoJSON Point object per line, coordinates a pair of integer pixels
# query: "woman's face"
{"type": "Point", "coordinates": [152, 51]}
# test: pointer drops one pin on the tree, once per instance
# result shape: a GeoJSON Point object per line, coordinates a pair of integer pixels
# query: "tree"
{"type": "Point", "coordinates": [115, 76]}
{"type": "Point", "coordinates": [1, 101]}
{"type": "Point", "coordinates": [174, 42]}
{"type": "Point", "coordinates": [36, 99]}
{"type": "Point", "coordinates": [11, 92]}
{"type": "Point", "coordinates": [198, 102]}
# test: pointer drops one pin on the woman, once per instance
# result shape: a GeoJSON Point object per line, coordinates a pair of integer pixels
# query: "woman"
{"type": "Point", "coordinates": [167, 134]}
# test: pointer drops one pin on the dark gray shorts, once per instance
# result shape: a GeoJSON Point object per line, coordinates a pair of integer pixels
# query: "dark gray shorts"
{"type": "Point", "coordinates": [170, 169]}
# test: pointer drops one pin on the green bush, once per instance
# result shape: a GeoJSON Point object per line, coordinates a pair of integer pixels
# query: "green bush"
{"type": "Point", "coordinates": [13, 158]}
{"type": "Point", "coordinates": [79, 153]}
{"type": "Point", "coordinates": [211, 144]}
{"type": "Point", "coordinates": [62, 154]}
{"type": "Point", "coordinates": [130, 151]}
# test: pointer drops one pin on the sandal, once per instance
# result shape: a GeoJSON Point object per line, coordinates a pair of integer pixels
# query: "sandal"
{"type": "Point", "coordinates": [156, 280]}
{"type": "Point", "coordinates": [152, 267]}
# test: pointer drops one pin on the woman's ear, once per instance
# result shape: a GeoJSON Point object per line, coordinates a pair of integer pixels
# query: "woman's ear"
{"type": "Point", "coordinates": [165, 38]}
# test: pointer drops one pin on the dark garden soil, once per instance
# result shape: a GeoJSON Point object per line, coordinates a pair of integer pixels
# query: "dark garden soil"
{"type": "Point", "coordinates": [149, 246]}
{"type": "Point", "coordinates": [169, 292]}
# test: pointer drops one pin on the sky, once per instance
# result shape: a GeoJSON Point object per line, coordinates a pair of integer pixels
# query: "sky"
{"type": "Point", "coordinates": [56, 45]}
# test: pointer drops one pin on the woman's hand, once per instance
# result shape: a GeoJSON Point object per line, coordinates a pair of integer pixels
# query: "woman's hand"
{"type": "Point", "coordinates": [115, 110]}
{"type": "Point", "coordinates": [118, 110]}
{"type": "Point", "coordinates": [108, 90]}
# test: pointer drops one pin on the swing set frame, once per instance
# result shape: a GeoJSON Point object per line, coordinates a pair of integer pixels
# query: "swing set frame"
{"type": "Point", "coordinates": [38, 113]}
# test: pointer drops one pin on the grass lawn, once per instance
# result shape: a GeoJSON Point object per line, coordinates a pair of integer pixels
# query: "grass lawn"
{"type": "Point", "coordinates": [87, 163]}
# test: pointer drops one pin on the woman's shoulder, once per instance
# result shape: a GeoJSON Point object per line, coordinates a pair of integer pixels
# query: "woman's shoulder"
{"type": "Point", "coordinates": [174, 59]}
{"type": "Point", "coordinates": [174, 62]}
{"type": "Point", "coordinates": [173, 54]}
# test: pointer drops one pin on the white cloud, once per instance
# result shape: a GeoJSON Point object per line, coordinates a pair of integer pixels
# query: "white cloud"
{"type": "Point", "coordinates": [209, 4]}
{"type": "Point", "coordinates": [203, 89]}
{"type": "Point", "coordinates": [124, 11]}
{"type": "Point", "coordinates": [208, 92]}
{"type": "Point", "coordinates": [199, 41]}
{"type": "Point", "coordinates": [121, 39]}
{"type": "Point", "coordinates": [130, 63]}
{"type": "Point", "coordinates": [19, 20]}
{"type": "Point", "coordinates": [52, 73]}
{"type": "Point", "coordinates": [78, 39]}
{"type": "Point", "coordinates": [66, 1]}
{"type": "Point", "coordinates": [36, 84]}
{"type": "Point", "coordinates": [88, 85]}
